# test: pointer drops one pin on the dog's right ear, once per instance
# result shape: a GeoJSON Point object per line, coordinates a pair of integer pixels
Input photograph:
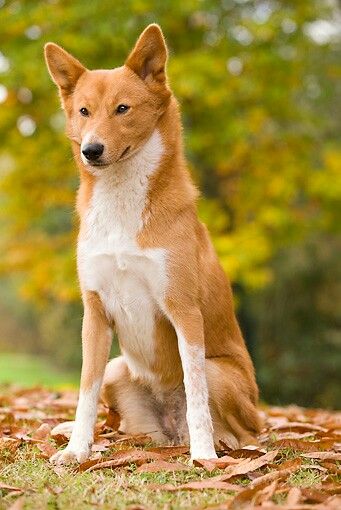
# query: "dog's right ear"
{"type": "Point", "coordinates": [64, 69]}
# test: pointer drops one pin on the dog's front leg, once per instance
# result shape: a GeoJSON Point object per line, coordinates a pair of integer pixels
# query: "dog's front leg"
{"type": "Point", "coordinates": [189, 328]}
{"type": "Point", "coordinates": [96, 340]}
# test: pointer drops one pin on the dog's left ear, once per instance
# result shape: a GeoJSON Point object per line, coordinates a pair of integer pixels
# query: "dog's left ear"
{"type": "Point", "coordinates": [149, 57]}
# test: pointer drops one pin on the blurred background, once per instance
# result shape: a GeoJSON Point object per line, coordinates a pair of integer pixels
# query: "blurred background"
{"type": "Point", "coordinates": [259, 82]}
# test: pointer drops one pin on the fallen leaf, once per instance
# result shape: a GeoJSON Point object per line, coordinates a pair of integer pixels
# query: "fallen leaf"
{"type": "Point", "coordinates": [331, 488]}
{"type": "Point", "coordinates": [113, 420]}
{"type": "Point", "coordinates": [124, 458]}
{"type": "Point", "coordinates": [247, 465]}
{"type": "Point", "coordinates": [247, 453]}
{"type": "Point", "coordinates": [43, 432]}
{"type": "Point", "coordinates": [199, 485]}
{"type": "Point", "coordinates": [47, 449]}
{"type": "Point", "coordinates": [304, 446]}
{"type": "Point", "coordinates": [162, 465]}
{"type": "Point", "coordinates": [60, 439]}
{"type": "Point", "coordinates": [293, 497]}
{"type": "Point", "coordinates": [168, 452]}
{"type": "Point", "coordinates": [253, 495]}
{"type": "Point", "coordinates": [312, 495]}
{"type": "Point", "coordinates": [294, 425]}
{"type": "Point", "coordinates": [220, 463]}
{"type": "Point", "coordinates": [18, 504]}
{"type": "Point", "coordinates": [332, 467]}
{"type": "Point", "coordinates": [6, 487]}
{"type": "Point", "coordinates": [333, 503]}
{"type": "Point", "coordinates": [322, 455]}
{"type": "Point", "coordinates": [282, 472]}
{"type": "Point", "coordinates": [139, 440]}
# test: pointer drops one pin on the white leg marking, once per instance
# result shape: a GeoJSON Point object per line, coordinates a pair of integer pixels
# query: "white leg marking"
{"type": "Point", "coordinates": [79, 447]}
{"type": "Point", "coordinates": [198, 413]}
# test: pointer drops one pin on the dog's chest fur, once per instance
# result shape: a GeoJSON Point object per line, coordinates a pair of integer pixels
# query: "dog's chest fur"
{"type": "Point", "coordinates": [129, 280]}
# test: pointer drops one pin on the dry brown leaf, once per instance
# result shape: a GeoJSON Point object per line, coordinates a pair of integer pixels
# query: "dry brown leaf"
{"type": "Point", "coordinates": [277, 436]}
{"type": "Point", "coordinates": [332, 467]}
{"type": "Point", "coordinates": [162, 465]}
{"type": "Point", "coordinates": [284, 470]}
{"type": "Point", "coordinates": [220, 463]}
{"type": "Point", "coordinates": [313, 495]}
{"type": "Point", "coordinates": [42, 432]}
{"type": "Point", "coordinates": [294, 496]}
{"type": "Point", "coordinates": [294, 425]}
{"type": "Point", "coordinates": [113, 420]}
{"type": "Point", "coordinates": [4, 486]}
{"type": "Point", "coordinates": [47, 449]}
{"type": "Point", "coordinates": [247, 465]}
{"type": "Point", "coordinates": [209, 465]}
{"type": "Point", "coordinates": [199, 485]}
{"type": "Point", "coordinates": [138, 440]}
{"type": "Point", "coordinates": [124, 458]}
{"type": "Point", "coordinates": [304, 446]}
{"type": "Point", "coordinates": [333, 503]}
{"type": "Point", "coordinates": [169, 452]}
{"type": "Point", "coordinates": [253, 495]}
{"type": "Point", "coordinates": [18, 504]}
{"type": "Point", "coordinates": [322, 455]}
{"type": "Point", "coordinates": [8, 448]}
{"type": "Point", "coordinates": [60, 439]}
{"type": "Point", "coordinates": [247, 453]}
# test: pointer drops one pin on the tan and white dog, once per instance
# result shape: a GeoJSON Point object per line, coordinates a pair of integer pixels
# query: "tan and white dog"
{"type": "Point", "coordinates": [147, 266]}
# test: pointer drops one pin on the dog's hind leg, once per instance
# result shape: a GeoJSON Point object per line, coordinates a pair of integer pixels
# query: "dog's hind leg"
{"type": "Point", "coordinates": [134, 402]}
{"type": "Point", "coordinates": [233, 399]}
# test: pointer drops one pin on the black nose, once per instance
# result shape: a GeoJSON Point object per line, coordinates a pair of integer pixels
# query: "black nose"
{"type": "Point", "coordinates": [93, 151]}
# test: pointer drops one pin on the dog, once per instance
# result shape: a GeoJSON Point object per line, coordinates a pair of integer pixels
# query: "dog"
{"type": "Point", "coordinates": [147, 268]}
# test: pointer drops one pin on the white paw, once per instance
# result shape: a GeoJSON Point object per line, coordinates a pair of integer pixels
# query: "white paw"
{"type": "Point", "coordinates": [203, 453]}
{"type": "Point", "coordinates": [71, 455]}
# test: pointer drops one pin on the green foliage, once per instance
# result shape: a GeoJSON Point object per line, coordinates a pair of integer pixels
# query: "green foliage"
{"type": "Point", "coordinates": [260, 95]}
{"type": "Point", "coordinates": [298, 326]}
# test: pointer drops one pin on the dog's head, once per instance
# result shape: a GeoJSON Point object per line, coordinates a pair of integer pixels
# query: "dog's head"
{"type": "Point", "coordinates": [112, 113]}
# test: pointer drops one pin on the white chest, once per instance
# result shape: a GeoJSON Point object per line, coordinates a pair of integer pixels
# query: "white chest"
{"type": "Point", "coordinates": [129, 280]}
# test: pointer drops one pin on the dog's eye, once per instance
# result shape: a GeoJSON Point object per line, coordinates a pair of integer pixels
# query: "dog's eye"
{"type": "Point", "coordinates": [84, 112]}
{"type": "Point", "coordinates": [122, 108]}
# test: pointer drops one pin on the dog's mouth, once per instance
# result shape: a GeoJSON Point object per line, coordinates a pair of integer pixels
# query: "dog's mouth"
{"type": "Point", "coordinates": [97, 163]}
{"type": "Point", "coordinates": [124, 153]}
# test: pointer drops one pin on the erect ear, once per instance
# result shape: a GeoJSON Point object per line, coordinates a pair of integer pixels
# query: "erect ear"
{"type": "Point", "coordinates": [64, 69]}
{"type": "Point", "coordinates": [149, 57]}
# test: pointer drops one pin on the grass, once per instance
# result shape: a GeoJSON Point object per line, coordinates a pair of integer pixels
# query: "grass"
{"type": "Point", "coordinates": [49, 488]}
{"type": "Point", "coordinates": [105, 489]}
{"type": "Point", "coordinates": [28, 370]}
{"type": "Point", "coordinates": [305, 478]}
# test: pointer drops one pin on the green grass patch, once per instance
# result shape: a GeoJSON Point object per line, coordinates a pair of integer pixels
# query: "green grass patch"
{"type": "Point", "coordinates": [305, 478]}
{"type": "Point", "coordinates": [107, 489]}
{"type": "Point", "coordinates": [29, 370]}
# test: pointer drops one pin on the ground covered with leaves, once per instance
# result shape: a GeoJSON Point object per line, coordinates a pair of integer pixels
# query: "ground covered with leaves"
{"type": "Point", "coordinates": [297, 465]}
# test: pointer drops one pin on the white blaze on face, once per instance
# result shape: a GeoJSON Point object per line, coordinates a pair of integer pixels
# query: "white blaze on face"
{"type": "Point", "coordinates": [198, 414]}
{"type": "Point", "coordinates": [89, 137]}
